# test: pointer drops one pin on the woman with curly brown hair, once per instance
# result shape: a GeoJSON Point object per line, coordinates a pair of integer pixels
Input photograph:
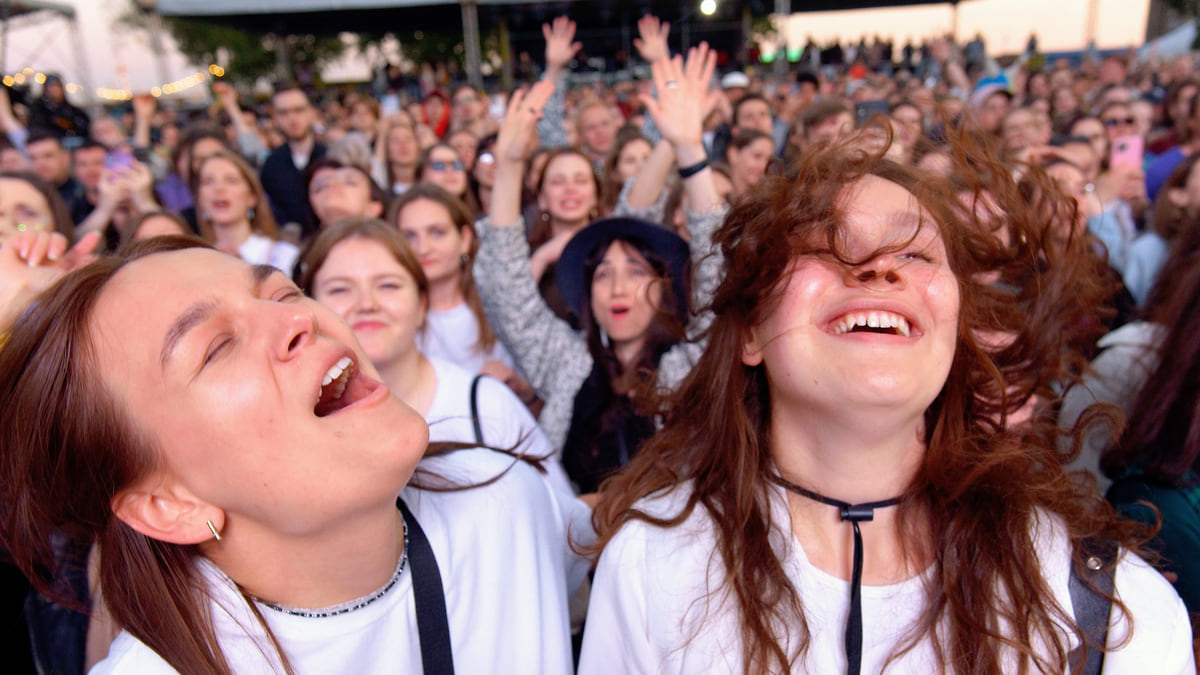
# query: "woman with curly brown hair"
{"type": "Point", "coordinates": [838, 486]}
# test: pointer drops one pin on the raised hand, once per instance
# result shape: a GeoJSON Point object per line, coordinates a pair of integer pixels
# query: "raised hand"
{"type": "Point", "coordinates": [227, 95]}
{"type": "Point", "coordinates": [652, 41]}
{"type": "Point", "coordinates": [520, 120]}
{"type": "Point", "coordinates": [684, 96]}
{"type": "Point", "coordinates": [31, 262]}
{"type": "Point", "coordinates": [560, 45]}
{"type": "Point", "coordinates": [144, 106]}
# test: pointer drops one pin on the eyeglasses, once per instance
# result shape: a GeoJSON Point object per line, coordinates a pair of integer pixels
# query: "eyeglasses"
{"type": "Point", "coordinates": [464, 99]}
{"type": "Point", "coordinates": [439, 165]}
{"type": "Point", "coordinates": [1118, 121]}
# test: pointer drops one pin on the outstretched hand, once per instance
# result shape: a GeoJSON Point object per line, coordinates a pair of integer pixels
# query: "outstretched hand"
{"type": "Point", "coordinates": [30, 262]}
{"type": "Point", "coordinates": [520, 121]}
{"type": "Point", "coordinates": [560, 45]}
{"type": "Point", "coordinates": [652, 41]}
{"type": "Point", "coordinates": [684, 95]}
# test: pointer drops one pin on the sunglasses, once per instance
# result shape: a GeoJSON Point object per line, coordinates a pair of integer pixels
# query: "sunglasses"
{"type": "Point", "coordinates": [439, 165]}
{"type": "Point", "coordinates": [1118, 121]}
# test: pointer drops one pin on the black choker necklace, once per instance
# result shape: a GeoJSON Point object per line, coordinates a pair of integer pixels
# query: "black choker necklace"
{"type": "Point", "coordinates": [855, 513]}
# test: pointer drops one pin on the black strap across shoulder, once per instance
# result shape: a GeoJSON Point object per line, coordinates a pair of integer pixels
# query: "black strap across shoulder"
{"type": "Point", "coordinates": [433, 627]}
{"type": "Point", "coordinates": [1091, 608]}
{"type": "Point", "coordinates": [475, 410]}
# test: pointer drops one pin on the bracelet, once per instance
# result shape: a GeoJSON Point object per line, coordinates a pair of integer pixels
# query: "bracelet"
{"type": "Point", "coordinates": [3, 339]}
{"type": "Point", "coordinates": [689, 171]}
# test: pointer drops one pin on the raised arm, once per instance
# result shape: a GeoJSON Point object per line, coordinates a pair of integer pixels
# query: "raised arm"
{"type": "Point", "coordinates": [560, 49]}
{"type": "Point", "coordinates": [512, 148]}
{"type": "Point", "coordinates": [684, 100]}
{"type": "Point", "coordinates": [250, 144]}
{"type": "Point", "coordinates": [545, 348]}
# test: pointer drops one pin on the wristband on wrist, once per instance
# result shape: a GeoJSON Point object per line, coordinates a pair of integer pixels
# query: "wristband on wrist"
{"type": "Point", "coordinates": [689, 171]}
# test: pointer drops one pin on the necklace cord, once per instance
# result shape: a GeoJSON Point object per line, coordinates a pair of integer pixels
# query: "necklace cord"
{"type": "Point", "coordinates": [855, 513]}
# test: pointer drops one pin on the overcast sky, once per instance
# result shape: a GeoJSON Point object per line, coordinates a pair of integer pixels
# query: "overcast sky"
{"type": "Point", "coordinates": [124, 60]}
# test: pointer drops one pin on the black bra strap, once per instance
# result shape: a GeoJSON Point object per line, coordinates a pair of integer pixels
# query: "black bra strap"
{"type": "Point", "coordinates": [433, 627]}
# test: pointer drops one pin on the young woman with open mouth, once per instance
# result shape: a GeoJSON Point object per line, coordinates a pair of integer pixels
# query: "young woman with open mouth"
{"type": "Point", "coordinates": [237, 458]}
{"type": "Point", "coordinates": [234, 214]}
{"type": "Point", "coordinates": [837, 489]}
{"type": "Point", "coordinates": [362, 269]}
{"type": "Point", "coordinates": [625, 279]}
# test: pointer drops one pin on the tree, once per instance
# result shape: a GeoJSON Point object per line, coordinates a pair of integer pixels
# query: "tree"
{"type": "Point", "coordinates": [245, 55]}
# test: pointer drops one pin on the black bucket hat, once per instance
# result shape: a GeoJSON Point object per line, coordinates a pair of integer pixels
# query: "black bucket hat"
{"type": "Point", "coordinates": [668, 245]}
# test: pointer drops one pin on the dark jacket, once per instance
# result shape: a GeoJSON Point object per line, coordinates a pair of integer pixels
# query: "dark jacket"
{"type": "Point", "coordinates": [284, 185]}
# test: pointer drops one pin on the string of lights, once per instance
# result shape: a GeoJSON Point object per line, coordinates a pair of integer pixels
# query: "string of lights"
{"type": "Point", "coordinates": [165, 89]}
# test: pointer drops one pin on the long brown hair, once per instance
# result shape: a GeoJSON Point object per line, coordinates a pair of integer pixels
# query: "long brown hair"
{"type": "Point", "coordinates": [263, 221]}
{"type": "Point", "coordinates": [1170, 219]}
{"type": "Point", "coordinates": [982, 482]}
{"type": "Point", "coordinates": [368, 228]}
{"type": "Point", "coordinates": [540, 231]}
{"type": "Point", "coordinates": [1163, 437]}
{"type": "Point", "coordinates": [69, 450]}
{"type": "Point", "coordinates": [461, 218]}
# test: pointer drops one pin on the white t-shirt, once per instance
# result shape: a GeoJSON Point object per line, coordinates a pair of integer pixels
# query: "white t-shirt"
{"type": "Point", "coordinates": [452, 336]}
{"type": "Point", "coordinates": [507, 572]}
{"type": "Point", "coordinates": [262, 250]}
{"type": "Point", "coordinates": [650, 611]}
{"type": "Point", "coordinates": [505, 422]}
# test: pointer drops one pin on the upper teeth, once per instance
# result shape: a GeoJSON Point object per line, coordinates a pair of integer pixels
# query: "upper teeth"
{"type": "Point", "coordinates": [335, 376]}
{"type": "Point", "coordinates": [873, 320]}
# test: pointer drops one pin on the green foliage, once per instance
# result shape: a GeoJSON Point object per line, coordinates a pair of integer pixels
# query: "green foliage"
{"type": "Point", "coordinates": [1187, 8]}
{"type": "Point", "coordinates": [245, 55]}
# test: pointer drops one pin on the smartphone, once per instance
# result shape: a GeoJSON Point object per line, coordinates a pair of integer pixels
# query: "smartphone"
{"type": "Point", "coordinates": [863, 111]}
{"type": "Point", "coordinates": [119, 159]}
{"type": "Point", "coordinates": [1126, 151]}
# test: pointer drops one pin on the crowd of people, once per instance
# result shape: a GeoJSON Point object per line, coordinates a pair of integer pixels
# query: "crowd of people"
{"type": "Point", "coordinates": [887, 365]}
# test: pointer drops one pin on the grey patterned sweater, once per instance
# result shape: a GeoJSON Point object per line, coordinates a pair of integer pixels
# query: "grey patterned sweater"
{"type": "Point", "coordinates": [554, 357]}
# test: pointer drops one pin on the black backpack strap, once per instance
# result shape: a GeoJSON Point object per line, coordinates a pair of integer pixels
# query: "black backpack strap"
{"type": "Point", "coordinates": [433, 628]}
{"type": "Point", "coordinates": [475, 410]}
{"type": "Point", "coordinates": [1091, 608]}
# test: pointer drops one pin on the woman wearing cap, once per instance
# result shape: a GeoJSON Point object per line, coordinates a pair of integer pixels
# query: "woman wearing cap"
{"type": "Point", "coordinates": [838, 487]}
{"type": "Point", "coordinates": [626, 279]}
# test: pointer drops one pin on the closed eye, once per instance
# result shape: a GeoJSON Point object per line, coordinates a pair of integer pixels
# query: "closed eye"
{"type": "Point", "coordinates": [216, 349]}
{"type": "Point", "coordinates": [916, 255]}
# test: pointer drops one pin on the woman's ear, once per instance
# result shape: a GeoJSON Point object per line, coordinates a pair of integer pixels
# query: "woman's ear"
{"type": "Point", "coordinates": [375, 209]}
{"type": "Point", "coordinates": [752, 350]}
{"type": "Point", "coordinates": [167, 512]}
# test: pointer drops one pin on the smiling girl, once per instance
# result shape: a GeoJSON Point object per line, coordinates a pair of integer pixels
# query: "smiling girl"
{"type": "Point", "coordinates": [837, 487]}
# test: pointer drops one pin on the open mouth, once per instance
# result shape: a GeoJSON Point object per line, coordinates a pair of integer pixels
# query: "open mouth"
{"type": "Point", "coordinates": [341, 387]}
{"type": "Point", "coordinates": [619, 312]}
{"type": "Point", "coordinates": [884, 323]}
